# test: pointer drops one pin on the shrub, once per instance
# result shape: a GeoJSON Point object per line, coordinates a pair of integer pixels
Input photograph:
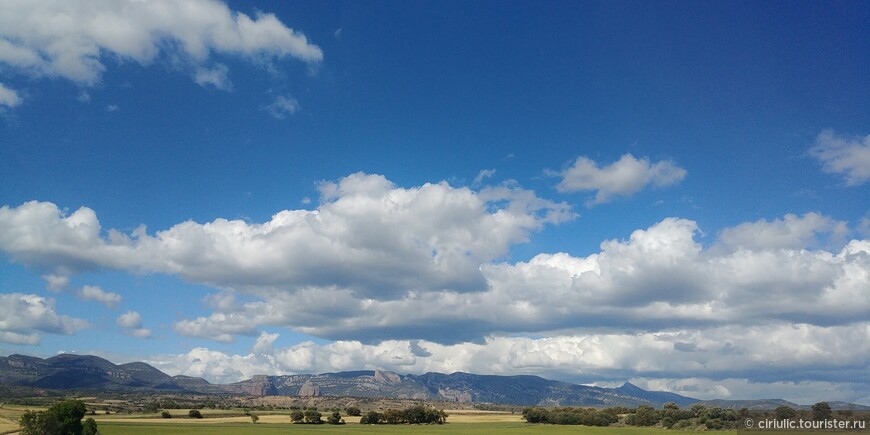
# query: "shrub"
{"type": "Point", "coordinates": [166, 414]}
{"type": "Point", "coordinates": [194, 413]}
{"type": "Point", "coordinates": [353, 411]}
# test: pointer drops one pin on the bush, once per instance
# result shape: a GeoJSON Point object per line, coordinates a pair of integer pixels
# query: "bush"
{"type": "Point", "coordinates": [166, 414]}
{"type": "Point", "coordinates": [194, 413]}
{"type": "Point", "coordinates": [296, 416]}
{"type": "Point", "coordinates": [353, 411]}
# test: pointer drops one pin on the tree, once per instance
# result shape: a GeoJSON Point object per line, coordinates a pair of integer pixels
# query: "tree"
{"type": "Point", "coordinates": [254, 418]}
{"type": "Point", "coordinates": [821, 411]}
{"type": "Point", "coordinates": [335, 418]}
{"type": "Point", "coordinates": [89, 427]}
{"type": "Point", "coordinates": [371, 417]}
{"type": "Point", "coordinates": [194, 413]}
{"type": "Point", "coordinates": [353, 411]}
{"type": "Point", "coordinates": [313, 417]}
{"type": "Point", "coordinates": [536, 415]}
{"type": "Point", "coordinates": [296, 416]}
{"type": "Point", "coordinates": [698, 410]}
{"type": "Point", "coordinates": [643, 416]}
{"type": "Point", "coordinates": [152, 407]}
{"type": "Point", "coordinates": [784, 412]}
{"type": "Point", "coordinates": [63, 418]}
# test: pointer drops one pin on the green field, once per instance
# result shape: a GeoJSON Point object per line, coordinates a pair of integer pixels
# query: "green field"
{"type": "Point", "coordinates": [119, 428]}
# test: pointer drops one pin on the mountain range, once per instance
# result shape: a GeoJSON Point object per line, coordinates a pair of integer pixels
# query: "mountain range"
{"type": "Point", "coordinates": [86, 372]}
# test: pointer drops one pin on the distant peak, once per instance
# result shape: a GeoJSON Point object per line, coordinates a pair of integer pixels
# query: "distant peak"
{"type": "Point", "coordinates": [628, 386]}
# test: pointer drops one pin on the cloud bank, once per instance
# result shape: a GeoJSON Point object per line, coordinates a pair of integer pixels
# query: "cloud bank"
{"type": "Point", "coordinates": [419, 279]}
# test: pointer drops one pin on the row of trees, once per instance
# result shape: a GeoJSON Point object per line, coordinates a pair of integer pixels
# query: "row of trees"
{"type": "Point", "coordinates": [582, 416]}
{"type": "Point", "coordinates": [670, 416]}
{"type": "Point", "coordinates": [417, 414]}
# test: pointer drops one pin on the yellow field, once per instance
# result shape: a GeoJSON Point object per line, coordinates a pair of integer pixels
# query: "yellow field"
{"type": "Point", "coordinates": [475, 416]}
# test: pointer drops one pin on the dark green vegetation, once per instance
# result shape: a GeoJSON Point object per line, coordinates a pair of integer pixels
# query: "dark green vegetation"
{"type": "Point", "coordinates": [63, 418]}
{"type": "Point", "coordinates": [671, 416]}
{"type": "Point", "coordinates": [417, 414]}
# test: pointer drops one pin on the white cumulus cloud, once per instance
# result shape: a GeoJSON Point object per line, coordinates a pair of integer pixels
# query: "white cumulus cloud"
{"type": "Point", "coordinates": [131, 321]}
{"type": "Point", "coordinates": [367, 235]}
{"type": "Point", "coordinates": [73, 38]}
{"type": "Point", "coordinates": [790, 232]}
{"type": "Point", "coordinates": [93, 293]}
{"type": "Point", "coordinates": [625, 177]}
{"type": "Point", "coordinates": [845, 156]}
{"type": "Point", "coordinates": [24, 316]}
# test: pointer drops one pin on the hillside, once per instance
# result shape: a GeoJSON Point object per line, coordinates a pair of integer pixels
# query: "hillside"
{"type": "Point", "coordinates": [86, 372]}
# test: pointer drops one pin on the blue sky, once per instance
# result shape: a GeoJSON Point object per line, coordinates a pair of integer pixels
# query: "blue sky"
{"type": "Point", "coordinates": [672, 193]}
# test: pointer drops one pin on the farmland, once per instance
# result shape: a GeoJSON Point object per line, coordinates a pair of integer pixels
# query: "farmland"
{"type": "Point", "coordinates": [234, 421]}
{"type": "Point", "coordinates": [481, 426]}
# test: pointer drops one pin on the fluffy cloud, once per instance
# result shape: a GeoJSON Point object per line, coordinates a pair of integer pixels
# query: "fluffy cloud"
{"type": "Point", "coordinates": [69, 38]}
{"type": "Point", "coordinates": [415, 280]}
{"type": "Point", "coordinates": [367, 236]}
{"type": "Point", "coordinates": [131, 321]}
{"type": "Point", "coordinates": [659, 279]}
{"type": "Point", "coordinates": [24, 316]}
{"type": "Point", "coordinates": [375, 262]}
{"type": "Point", "coordinates": [790, 232]}
{"type": "Point", "coordinates": [848, 157]}
{"type": "Point", "coordinates": [624, 177]}
{"type": "Point", "coordinates": [8, 97]}
{"type": "Point", "coordinates": [92, 293]}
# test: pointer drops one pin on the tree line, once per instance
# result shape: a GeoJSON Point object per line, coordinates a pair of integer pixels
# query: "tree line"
{"type": "Point", "coordinates": [417, 414]}
{"type": "Point", "coordinates": [670, 416]}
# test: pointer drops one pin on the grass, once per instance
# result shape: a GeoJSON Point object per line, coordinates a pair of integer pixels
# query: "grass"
{"type": "Point", "coordinates": [131, 428]}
